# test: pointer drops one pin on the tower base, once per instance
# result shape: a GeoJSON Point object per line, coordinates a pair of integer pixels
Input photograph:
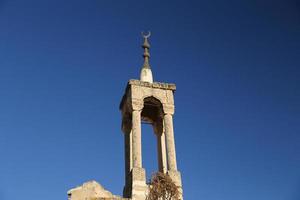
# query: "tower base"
{"type": "Point", "coordinates": [176, 178]}
{"type": "Point", "coordinates": [136, 186]}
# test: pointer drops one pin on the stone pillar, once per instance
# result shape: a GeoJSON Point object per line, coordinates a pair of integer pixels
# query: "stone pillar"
{"type": "Point", "coordinates": [126, 128]}
{"type": "Point", "coordinates": [171, 154]}
{"type": "Point", "coordinates": [128, 152]}
{"type": "Point", "coordinates": [161, 151]}
{"type": "Point", "coordinates": [170, 143]}
{"type": "Point", "coordinates": [138, 174]}
{"type": "Point", "coordinates": [136, 139]}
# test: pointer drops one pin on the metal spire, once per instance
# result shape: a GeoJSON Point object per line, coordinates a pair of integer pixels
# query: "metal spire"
{"type": "Point", "coordinates": [146, 73]}
{"type": "Point", "coordinates": [146, 47]}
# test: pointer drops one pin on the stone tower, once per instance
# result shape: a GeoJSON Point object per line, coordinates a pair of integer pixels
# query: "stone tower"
{"type": "Point", "coordinates": [153, 103]}
{"type": "Point", "coordinates": [143, 101]}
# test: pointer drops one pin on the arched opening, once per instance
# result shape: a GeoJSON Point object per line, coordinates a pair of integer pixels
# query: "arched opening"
{"type": "Point", "coordinates": [152, 110]}
{"type": "Point", "coordinates": [149, 150]}
{"type": "Point", "coordinates": [152, 129]}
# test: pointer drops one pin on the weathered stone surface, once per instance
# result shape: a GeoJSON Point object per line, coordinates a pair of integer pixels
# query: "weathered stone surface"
{"type": "Point", "coordinates": [167, 86]}
{"type": "Point", "coordinates": [137, 90]}
{"type": "Point", "coordinates": [91, 190]}
{"type": "Point", "coordinates": [152, 103]}
{"type": "Point", "coordinates": [171, 153]}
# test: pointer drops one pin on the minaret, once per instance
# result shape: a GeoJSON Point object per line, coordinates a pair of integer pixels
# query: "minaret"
{"type": "Point", "coordinates": [153, 103]}
{"type": "Point", "coordinates": [146, 73]}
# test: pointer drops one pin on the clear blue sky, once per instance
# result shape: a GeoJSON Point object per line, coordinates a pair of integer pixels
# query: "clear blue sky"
{"type": "Point", "coordinates": [64, 66]}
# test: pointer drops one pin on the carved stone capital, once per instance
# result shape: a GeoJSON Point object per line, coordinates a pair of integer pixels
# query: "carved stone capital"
{"type": "Point", "coordinates": [169, 109]}
{"type": "Point", "coordinates": [137, 104]}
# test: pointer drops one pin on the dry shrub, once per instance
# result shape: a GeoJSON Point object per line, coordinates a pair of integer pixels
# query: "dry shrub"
{"type": "Point", "coordinates": [162, 188]}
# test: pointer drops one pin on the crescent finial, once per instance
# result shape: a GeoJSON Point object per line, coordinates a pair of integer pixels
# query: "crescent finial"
{"type": "Point", "coordinates": [146, 35]}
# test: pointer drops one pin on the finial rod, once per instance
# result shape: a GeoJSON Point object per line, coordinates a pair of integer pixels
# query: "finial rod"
{"type": "Point", "coordinates": [146, 47]}
{"type": "Point", "coordinates": [146, 74]}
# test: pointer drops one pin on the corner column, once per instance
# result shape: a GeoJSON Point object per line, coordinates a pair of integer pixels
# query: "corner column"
{"type": "Point", "coordinates": [128, 152]}
{"type": "Point", "coordinates": [161, 148]}
{"type": "Point", "coordinates": [170, 143]}
{"type": "Point", "coordinates": [126, 128]}
{"type": "Point", "coordinates": [136, 139]}
{"type": "Point", "coordinates": [171, 153]}
{"type": "Point", "coordinates": [138, 173]}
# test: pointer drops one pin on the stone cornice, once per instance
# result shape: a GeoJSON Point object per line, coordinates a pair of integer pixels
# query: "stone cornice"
{"type": "Point", "coordinates": [165, 86]}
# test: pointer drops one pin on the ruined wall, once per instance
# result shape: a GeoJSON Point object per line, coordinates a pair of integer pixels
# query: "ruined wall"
{"type": "Point", "coordinates": [91, 190]}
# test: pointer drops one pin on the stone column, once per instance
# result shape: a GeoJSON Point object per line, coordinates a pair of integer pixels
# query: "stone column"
{"type": "Point", "coordinates": [138, 173]}
{"type": "Point", "coordinates": [128, 152]}
{"type": "Point", "coordinates": [126, 128]}
{"type": "Point", "coordinates": [136, 139]}
{"type": "Point", "coordinates": [162, 155]}
{"type": "Point", "coordinates": [171, 154]}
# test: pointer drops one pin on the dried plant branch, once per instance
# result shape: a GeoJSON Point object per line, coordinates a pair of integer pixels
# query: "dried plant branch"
{"type": "Point", "coordinates": [162, 188]}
